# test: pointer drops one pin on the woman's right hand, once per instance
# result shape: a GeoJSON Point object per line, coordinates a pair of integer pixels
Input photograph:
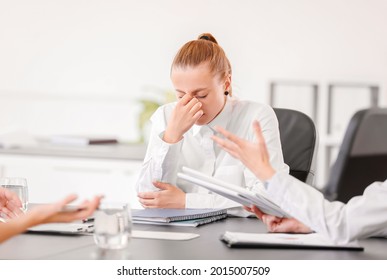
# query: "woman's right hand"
{"type": "Point", "coordinates": [186, 113]}
{"type": "Point", "coordinates": [254, 156]}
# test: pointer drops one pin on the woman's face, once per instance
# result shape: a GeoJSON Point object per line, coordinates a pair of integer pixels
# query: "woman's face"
{"type": "Point", "coordinates": [208, 88]}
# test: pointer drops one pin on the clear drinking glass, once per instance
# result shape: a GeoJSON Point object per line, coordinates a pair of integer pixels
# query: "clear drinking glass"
{"type": "Point", "coordinates": [112, 226]}
{"type": "Point", "coordinates": [18, 186]}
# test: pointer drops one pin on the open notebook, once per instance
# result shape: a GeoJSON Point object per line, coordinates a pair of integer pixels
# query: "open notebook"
{"type": "Point", "coordinates": [233, 192]}
{"type": "Point", "coordinates": [284, 241]}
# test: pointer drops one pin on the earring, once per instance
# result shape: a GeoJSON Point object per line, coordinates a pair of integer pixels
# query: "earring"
{"type": "Point", "coordinates": [226, 93]}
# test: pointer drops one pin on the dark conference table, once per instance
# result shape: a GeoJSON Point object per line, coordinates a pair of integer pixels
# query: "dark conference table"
{"type": "Point", "coordinates": [206, 247]}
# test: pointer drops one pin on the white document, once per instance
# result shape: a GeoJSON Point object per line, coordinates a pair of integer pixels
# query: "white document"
{"type": "Point", "coordinates": [231, 191]}
{"type": "Point", "coordinates": [165, 235]}
{"type": "Point", "coordinates": [283, 240]}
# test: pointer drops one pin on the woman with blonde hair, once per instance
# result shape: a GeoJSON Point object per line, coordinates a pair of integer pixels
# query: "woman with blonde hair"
{"type": "Point", "coordinates": [181, 131]}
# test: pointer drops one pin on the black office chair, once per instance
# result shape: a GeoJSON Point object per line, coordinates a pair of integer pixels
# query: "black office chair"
{"type": "Point", "coordinates": [362, 157]}
{"type": "Point", "coordinates": [299, 143]}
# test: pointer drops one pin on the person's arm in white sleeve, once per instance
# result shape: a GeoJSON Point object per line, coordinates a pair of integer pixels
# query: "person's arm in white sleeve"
{"type": "Point", "coordinates": [170, 123]}
{"type": "Point", "coordinates": [363, 216]}
{"type": "Point", "coordinates": [161, 159]}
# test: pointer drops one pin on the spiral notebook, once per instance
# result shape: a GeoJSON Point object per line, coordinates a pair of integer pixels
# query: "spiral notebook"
{"type": "Point", "coordinates": [186, 223]}
{"type": "Point", "coordinates": [174, 215]}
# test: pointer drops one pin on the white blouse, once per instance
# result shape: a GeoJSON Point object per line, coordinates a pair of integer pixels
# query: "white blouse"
{"type": "Point", "coordinates": [197, 151]}
{"type": "Point", "coordinates": [362, 216]}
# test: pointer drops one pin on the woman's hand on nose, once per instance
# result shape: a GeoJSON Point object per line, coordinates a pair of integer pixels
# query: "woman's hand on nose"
{"type": "Point", "coordinates": [186, 113]}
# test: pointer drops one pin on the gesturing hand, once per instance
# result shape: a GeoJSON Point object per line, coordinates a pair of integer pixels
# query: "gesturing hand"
{"type": "Point", "coordinates": [253, 155]}
{"type": "Point", "coordinates": [48, 213]}
{"type": "Point", "coordinates": [53, 213]}
{"type": "Point", "coordinates": [183, 117]}
{"type": "Point", "coordinates": [169, 196]}
{"type": "Point", "coordinates": [275, 224]}
{"type": "Point", "coordinates": [10, 204]}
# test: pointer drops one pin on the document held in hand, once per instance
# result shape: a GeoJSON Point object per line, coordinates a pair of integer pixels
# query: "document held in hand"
{"type": "Point", "coordinates": [284, 241]}
{"type": "Point", "coordinates": [233, 192]}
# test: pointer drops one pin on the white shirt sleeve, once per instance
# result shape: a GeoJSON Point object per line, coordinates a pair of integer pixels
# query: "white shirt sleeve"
{"type": "Point", "coordinates": [161, 160]}
{"type": "Point", "coordinates": [363, 216]}
{"type": "Point", "coordinates": [206, 200]}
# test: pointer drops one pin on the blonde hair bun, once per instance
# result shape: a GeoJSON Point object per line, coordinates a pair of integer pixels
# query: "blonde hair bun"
{"type": "Point", "coordinates": [208, 37]}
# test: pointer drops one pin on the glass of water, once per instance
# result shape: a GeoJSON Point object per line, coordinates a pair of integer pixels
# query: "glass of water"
{"type": "Point", "coordinates": [18, 186]}
{"type": "Point", "coordinates": [112, 226]}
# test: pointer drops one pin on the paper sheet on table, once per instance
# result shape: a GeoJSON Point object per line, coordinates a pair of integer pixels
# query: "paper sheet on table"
{"type": "Point", "coordinates": [165, 235]}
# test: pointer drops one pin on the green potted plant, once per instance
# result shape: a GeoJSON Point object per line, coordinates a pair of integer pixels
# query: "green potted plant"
{"type": "Point", "coordinates": [149, 106]}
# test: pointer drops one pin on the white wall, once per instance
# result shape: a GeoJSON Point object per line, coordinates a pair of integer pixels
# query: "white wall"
{"type": "Point", "coordinates": [67, 64]}
{"type": "Point", "coordinates": [117, 47]}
